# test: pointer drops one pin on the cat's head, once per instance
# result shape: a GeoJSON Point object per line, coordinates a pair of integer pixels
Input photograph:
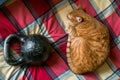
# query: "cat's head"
{"type": "Point", "coordinates": [79, 20]}
{"type": "Point", "coordinates": [78, 16]}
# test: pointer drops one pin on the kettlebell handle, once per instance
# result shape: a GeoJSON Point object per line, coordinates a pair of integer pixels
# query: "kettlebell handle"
{"type": "Point", "coordinates": [7, 52]}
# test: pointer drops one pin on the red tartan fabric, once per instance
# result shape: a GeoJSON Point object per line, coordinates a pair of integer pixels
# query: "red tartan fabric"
{"type": "Point", "coordinates": [47, 17]}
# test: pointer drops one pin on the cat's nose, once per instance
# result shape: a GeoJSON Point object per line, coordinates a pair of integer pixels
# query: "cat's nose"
{"type": "Point", "coordinates": [66, 30]}
{"type": "Point", "coordinates": [69, 16]}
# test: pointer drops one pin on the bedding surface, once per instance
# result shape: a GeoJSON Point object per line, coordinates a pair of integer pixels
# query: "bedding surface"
{"type": "Point", "coordinates": [48, 18]}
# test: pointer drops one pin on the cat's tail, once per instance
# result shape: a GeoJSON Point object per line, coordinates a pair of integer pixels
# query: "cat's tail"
{"type": "Point", "coordinates": [74, 53]}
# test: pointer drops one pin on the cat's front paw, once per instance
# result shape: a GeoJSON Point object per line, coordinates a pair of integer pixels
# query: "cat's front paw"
{"type": "Point", "coordinates": [67, 30]}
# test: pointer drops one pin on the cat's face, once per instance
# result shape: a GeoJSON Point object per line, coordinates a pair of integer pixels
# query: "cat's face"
{"type": "Point", "coordinates": [79, 21]}
{"type": "Point", "coordinates": [77, 17]}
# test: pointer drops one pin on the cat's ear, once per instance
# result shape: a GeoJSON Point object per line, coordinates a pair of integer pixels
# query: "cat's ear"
{"type": "Point", "coordinates": [80, 8]}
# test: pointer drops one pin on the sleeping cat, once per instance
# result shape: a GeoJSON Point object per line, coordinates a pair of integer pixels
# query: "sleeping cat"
{"type": "Point", "coordinates": [88, 42]}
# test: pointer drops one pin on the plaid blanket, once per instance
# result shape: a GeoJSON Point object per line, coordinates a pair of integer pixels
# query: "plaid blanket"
{"type": "Point", "coordinates": [47, 17]}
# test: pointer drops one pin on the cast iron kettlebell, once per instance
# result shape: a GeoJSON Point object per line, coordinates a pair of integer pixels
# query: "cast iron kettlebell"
{"type": "Point", "coordinates": [34, 49]}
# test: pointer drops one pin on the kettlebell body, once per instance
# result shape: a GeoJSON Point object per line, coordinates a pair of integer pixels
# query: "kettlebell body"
{"type": "Point", "coordinates": [34, 49]}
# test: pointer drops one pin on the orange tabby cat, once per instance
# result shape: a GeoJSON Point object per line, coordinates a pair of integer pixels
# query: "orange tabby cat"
{"type": "Point", "coordinates": [88, 42]}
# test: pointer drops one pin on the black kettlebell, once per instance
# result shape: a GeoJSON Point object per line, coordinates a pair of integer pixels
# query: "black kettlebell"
{"type": "Point", "coordinates": [34, 49]}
